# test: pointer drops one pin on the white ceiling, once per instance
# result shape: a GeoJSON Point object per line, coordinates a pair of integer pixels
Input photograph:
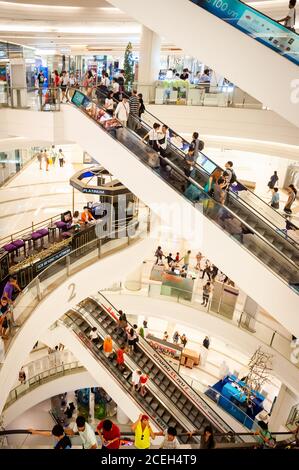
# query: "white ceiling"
{"type": "Point", "coordinates": [83, 26]}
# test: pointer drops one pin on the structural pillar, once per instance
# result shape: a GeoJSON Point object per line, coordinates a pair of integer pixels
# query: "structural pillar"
{"type": "Point", "coordinates": [250, 310]}
{"type": "Point", "coordinates": [18, 83]}
{"type": "Point", "coordinates": [134, 279]}
{"type": "Point", "coordinates": [149, 63]}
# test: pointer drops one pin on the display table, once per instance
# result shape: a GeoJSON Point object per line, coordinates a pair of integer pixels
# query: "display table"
{"type": "Point", "coordinates": [229, 391]}
{"type": "Point", "coordinates": [190, 358]}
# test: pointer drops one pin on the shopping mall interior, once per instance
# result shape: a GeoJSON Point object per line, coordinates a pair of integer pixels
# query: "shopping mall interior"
{"type": "Point", "coordinates": [149, 252]}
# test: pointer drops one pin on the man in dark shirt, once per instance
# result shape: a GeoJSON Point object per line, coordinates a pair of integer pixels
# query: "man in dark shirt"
{"type": "Point", "coordinates": [63, 441]}
{"type": "Point", "coordinates": [134, 108]}
{"type": "Point", "coordinates": [206, 342]}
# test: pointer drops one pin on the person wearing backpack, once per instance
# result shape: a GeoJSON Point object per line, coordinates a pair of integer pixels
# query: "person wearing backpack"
{"type": "Point", "coordinates": [196, 144]}
{"type": "Point", "coordinates": [231, 178]}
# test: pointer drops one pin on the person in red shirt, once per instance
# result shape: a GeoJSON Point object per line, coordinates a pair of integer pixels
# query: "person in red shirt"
{"type": "Point", "coordinates": [143, 381]}
{"type": "Point", "coordinates": [109, 434]}
{"type": "Point", "coordinates": [120, 360]}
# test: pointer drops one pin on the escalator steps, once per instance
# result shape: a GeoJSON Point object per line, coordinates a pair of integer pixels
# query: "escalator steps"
{"type": "Point", "coordinates": [183, 400]}
{"type": "Point", "coordinates": [160, 411]}
{"type": "Point", "coordinates": [149, 398]}
{"type": "Point", "coordinates": [162, 387]}
{"type": "Point", "coordinates": [166, 417]}
{"type": "Point", "coordinates": [194, 412]}
{"type": "Point", "coordinates": [154, 405]}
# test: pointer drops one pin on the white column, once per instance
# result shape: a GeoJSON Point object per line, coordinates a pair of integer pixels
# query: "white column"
{"type": "Point", "coordinates": [121, 416]}
{"type": "Point", "coordinates": [18, 82]}
{"type": "Point", "coordinates": [149, 63]}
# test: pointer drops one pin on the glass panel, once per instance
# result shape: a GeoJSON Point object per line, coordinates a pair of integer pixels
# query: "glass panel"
{"type": "Point", "coordinates": [256, 25]}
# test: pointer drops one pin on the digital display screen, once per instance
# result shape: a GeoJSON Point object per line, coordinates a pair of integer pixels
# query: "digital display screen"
{"type": "Point", "coordinates": [206, 164]}
{"type": "Point", "coordinates": [78, 98]}
{"type": "Point", "coordinates": [256, 25]}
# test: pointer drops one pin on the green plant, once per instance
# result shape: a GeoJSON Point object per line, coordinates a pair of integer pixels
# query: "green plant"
{"type": "Point", "coordinates": [129, 66]}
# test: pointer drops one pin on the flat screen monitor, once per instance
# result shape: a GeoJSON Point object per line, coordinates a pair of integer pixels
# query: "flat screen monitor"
{"type": "Point", "coordinates": [206, 164]}
{"type": "Point", "coordinates": [78, 98]}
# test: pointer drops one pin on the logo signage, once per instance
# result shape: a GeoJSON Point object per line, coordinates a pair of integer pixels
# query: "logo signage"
{"type": "Point", "coordinates": [46, 262]}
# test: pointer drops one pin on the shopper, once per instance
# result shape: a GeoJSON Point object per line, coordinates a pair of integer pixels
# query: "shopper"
{"type": "Point", "coordinates": [206, 294]}
{"type": "Point", "coordinates": [53, 155]}
{"type": "Point", "coordinates": [165, 336]}
{"type": "Point", "coordinates": [115, 88]}
{"type": "Point", "coordinates": [109, 104]}
{"type": "Point", "coordinates": [121, 323]}
{"type": "Point", "coordinates": [143, 382]}
{"type": "Point", "coordinates": [206, 342]}
{"type": "Point", "coordinates": [141, 109]}
{"type": "Point", "coordinates": [199, 257]}
{"type": "Point", "coordinates": [197, 145]}
{"type": "Point", "coordinates": [22, 376]}
{"type": "Point", "coordinates": [232, 178]}
{"type": "Point", "coordinates": [275, 199]}
{"type": "Point", "coordinates": [163, 139]}
{"type": "Point", "coordinates": [169, 259]}
{"type": "Point", "coordinates": [273, 182]}
{"type": "Point", "coordinates": [61, 158]}
{"type": "Point", "coordinates": [134, 110]}
{"type": "Point", "coordinates": [143, 329]}
{"type": "Point", "coordinates": [153, 137]}
{"type": "Point", "coordinates": [10, 288]}
{"type": "Point", "coordinates": [40, 157]}
{"type": "Point", "coordinates": [107, 346]}
{"type": "Point", "coordinates": [122, 111]}
{"type": "Point", "coordinates": [87, 216]}
{"type": "Point", "coordinates": [94, 335]}
{"type": "Point", "coordinates": [187, 260]}
{"type": "Point", "coordinates": [4, 326]}
{"type": "Point", "coordinates": [86, 433]}
{"type": "Point", "coordinates": [132, 339]}
{"type": "Point", "coordinates": [290, 20]}
{"type": "Point", "coordinates": [136, 379]}
{"type": "Point", "coordinates": [207, 439]}
{"type": "Point", "coordinates": [63, 441]}
{"type": "Point", "coordinates": [47, 159]}
{"type": "Point", "coordinates": [64, 84]}
{"type": "Point", "coordinates": [185, 74]}
{"type": "Point", "coordinates": [177, 257]}
{"type": "Point", "coordinates": [175, 337]}
{"type": "Point", "coordinates": [109, 434]}
{"type": "Point", "coordinates": [170, 440]}
{"type": "Point", "coordinates": [159, 255]}
{"type": "Point", "coordinates": [184, 340]}
{"type": "Point", "coordinates": [120, 360]}
{"type": "Point", "coordinates": [292, 192]}
{"type": "Point", "coordinates": [143, 432]}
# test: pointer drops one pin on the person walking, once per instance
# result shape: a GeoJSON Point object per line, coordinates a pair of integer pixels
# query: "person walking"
{"type": "Point", "coordinates": [275, 199]}
{"type": "Point", "coordinates": [175, 337]}
{"type": "Point", "coordinates": [159, 255]}
{"type": "Point", "coordinates": [207, 270]}
{"type": "Point", "coordinates": [53, 154]}
{"type": "Point", "coordinates": [134, 109]}
{"type": "Point", "coordinates": [292, 192]}
{"type": "Point", "coordinates": [47, 159]}
{"type": "Point", "coordinates": [122, 111]}
{"type": "Point", "coordinates": [184, 340]}
{"type": "Point", "coordinates": [206, 294]}
{"type": "Point", "coordinates": [40, 157]}
{"type": "Point", "coordinates": [143, 432]}
{"type": "Point", "coordinates": [22, 376]}
{"type": "Point", "coordinates": [61, 158]}
{"type": "Point", "coordinates": [187, 260]}
{"type": "Point", "coordinates": [273, 182]}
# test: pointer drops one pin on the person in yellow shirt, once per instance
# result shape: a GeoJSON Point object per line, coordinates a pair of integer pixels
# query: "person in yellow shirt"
{"type": "Point", "coordinates": [108, 345]}
{"type": "Point", "coordinates": [143, 432]}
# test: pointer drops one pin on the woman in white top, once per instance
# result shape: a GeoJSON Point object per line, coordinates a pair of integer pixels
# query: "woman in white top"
{"type": "Point", "coordinates": [153, 137]}
{"type": "Point", "coordinates": [290, 20]}
{"type": "Point", "coordinates": [109, 103]}
{"type": "Point", "coordinates": [122, 111]}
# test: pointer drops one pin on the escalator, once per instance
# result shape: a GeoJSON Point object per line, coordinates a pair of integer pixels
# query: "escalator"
{"type": "Point", "coordinates": [169, 400]}
{"type": "Point", "coordinates": [263, 249]}
{"type": "Point", "coordinates": [250, 49]}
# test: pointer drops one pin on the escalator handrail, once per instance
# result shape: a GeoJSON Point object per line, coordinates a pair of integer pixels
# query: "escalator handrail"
{"type": "Point", "coordinates": [98, 358]}
{"type": "Point", "coordinates": [147, 346]}
{"type": "Point", "coordinates": [195, 183]}
{"type": "Point", "coordinates": [241, 201]}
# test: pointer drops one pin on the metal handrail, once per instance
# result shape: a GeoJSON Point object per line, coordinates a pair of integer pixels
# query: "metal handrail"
{"type": "Point", "coordinates": [148, 346]}
{"type": "Point", "coordinates": [195, 183]}
{"type": "Point", "coordinates": [181, 153]}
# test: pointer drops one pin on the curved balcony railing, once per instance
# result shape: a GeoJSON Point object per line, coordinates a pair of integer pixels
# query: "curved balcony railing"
{"type": "Point", "coordinates": [244, 321]}
{"type": "Point", "coordinates": [59, 271]}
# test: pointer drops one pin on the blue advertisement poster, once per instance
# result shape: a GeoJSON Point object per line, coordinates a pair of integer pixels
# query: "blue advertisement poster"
{"type": "Point", "coordinates": [253, 23]}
